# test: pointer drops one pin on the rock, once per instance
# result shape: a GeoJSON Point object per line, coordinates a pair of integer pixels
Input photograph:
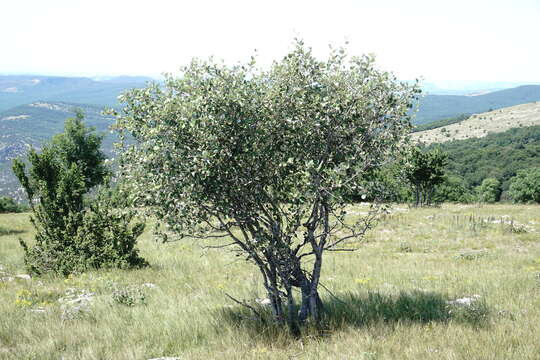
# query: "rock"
{"type": "Point", "coordinates": [466, 301]}
{"type": "Point", "coordinates": [150, 285]}
{"type": "Point", "coordinates": [23, 276]}
{"type": "Point", "coordinates": [38, 310]}
{"type": "Point", "coordinates": [264, 301]}
{"type": "Point", "coordinates": [7, 279]}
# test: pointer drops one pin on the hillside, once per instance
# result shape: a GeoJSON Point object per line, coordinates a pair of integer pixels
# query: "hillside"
{"type": "Point", "coordinates": [32, 124]}
{"type": "Point", "coordinates": [480, 125]}
{"type": "Point", "coordinates": [23, 89]}
{"type": "Point", "coordinates": [497, 155]}
{"type": "Point", "coordinates": [437, 107]}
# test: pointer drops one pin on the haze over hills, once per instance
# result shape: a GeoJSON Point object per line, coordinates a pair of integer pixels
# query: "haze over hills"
{"type": "Point", "coordinates": [103, 91]}
{"type": "Point", "coordinates": [23, 89]}
{"type": "Point", "coordinates": [437, 107]}
{"type": "Point", "coordinates": [469, 87]}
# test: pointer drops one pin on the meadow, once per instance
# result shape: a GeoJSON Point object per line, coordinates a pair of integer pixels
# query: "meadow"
{"type": "Point", "coordinates": [390, 299]}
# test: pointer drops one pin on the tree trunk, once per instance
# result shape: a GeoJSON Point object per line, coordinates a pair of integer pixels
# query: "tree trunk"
{"type": "Point", "coordinates": [292, 318]}
{"type": "Point", "coordinates": [303, 314]}
{"type": "Point", "coordinates": [314, 299]}
{"type": "Point", "coordinates": [273, 295]}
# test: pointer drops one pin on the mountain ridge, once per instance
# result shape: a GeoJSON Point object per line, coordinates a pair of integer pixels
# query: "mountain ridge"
{"type": "Point", "coordinates": [18, 90]}
{"type": "Point", "coordinates": [480, 125]}
{"type": "Point", "coordinates": [438, 107]}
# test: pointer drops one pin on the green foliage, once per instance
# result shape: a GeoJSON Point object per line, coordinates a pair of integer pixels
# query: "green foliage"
{"type": "Point", "coordinates": [72, 237]}
{"type": "Point", "coordinates": [489, 191]}
{"type": "Point", "coordinates": [8, 205]}
{"type": "Point", "coordinates": [453, 189]}
{"type": "Point", "coordinates": [385, 183]}
{"type": "Point", "coordinates": [525, 186]}
{"type": "Point", "coordinates": [424, 170]}
{"type": "Point", "coordinates": [266, 157]}
{"type": "Point", "coordinates": [129, 295]}
{"type": "Point", "coordinates": [498, 156]}
{"type": "Point", "coordinates": [79, 145]}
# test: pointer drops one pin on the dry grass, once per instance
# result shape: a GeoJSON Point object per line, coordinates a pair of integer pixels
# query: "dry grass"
{"type": "Point", "coordinates": [480, 125]}
{"type": "Point", "coordinates": [390, 304]}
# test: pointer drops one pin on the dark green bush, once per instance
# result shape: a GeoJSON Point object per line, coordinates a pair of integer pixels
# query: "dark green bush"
{"type": "Point", "coordinates": [75, 231]}
{"type": "Point", "coordinates": [9, 205]}
{"type": "Point", "coordinates": [489, 191]}
{"type": "Point", "coordinates": [525, 186]}
{"type": "Point", "coordinates": [100, 236]}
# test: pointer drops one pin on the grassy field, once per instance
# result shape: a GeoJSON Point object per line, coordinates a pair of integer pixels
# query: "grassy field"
{"type": "Point", "coordinates": [389, 298]}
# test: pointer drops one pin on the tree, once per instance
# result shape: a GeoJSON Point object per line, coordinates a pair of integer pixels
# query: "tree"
{"type": "Point", "coordinates": [79, 145]}
{"type": "Point", "coordinates": [489, 191]}
{"type": "Point", "coordinates": [424, 170]}
{"type": "Point", "coordinates": [525, 186]}
{"type": "Point", "coordinates": [261, 158]}
{"type": "Point", "coordinates": [73, 231]}
{"type": "Point", "coordinates": [453, 189]}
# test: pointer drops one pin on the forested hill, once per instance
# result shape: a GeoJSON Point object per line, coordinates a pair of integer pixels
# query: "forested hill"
{"type": "Point", "coordinates": [34, 123]}
{"type": "Point", "coordinates": [437, 107]}
{"type": "Point", "coordinates": [498, 155]}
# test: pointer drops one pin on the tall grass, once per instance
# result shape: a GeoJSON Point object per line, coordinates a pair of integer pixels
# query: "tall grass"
{"type": "Point", "coordinates": [388, 300]}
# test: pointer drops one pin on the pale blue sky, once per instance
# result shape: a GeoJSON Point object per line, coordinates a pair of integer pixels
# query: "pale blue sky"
{"type": "Point", "coordinates": [439, 40]}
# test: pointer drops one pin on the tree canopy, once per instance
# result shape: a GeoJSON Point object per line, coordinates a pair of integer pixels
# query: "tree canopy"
{"type": "Point", "coordinates": [525, 186]}
{"type": "Point", "coordinates": [424, 170]}
{"type": "Point", "coordinates": [261, 158]}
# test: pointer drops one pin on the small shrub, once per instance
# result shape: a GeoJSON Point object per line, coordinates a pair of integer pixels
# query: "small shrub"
{"type": "Point", "coordinates": [100, 237]}
{"type": "Point", "coordinates": [9, 205]}
{"type": "Point", "coordinates": [129, 295]}
{"type": "Point", "coordinates": [475, 314]}
{"type": "Point", "coordinates": [514, 228]}
{"type": "Point", "coordinates": [405, 247]}
{"type": "Point", "coordinates": [75, 231]}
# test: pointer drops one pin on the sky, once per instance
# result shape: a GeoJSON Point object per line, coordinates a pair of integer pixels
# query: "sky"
{"type": "Point", "coordinates": [441, 41]}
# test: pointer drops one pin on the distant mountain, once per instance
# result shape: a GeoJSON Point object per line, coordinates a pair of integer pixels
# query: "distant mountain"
{"type": "Point", "coordinates": [33, 124]}
{"type": "Point", "coordinates": [437, 107]}
{"type": "Point", "coordinates": [124, 79]}
{"type": "Point", "coordinates": [469, 87]}
{"type": "Point", "coordinates": [480, 125]}
{"type": "Point", "coordinates": [23, 89]}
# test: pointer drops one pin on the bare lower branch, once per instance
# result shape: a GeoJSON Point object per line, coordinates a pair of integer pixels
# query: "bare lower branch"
{"type": "Point", "coordinates": [219, 246]}
{"type": "Point", "coordinates": [243, 303]}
